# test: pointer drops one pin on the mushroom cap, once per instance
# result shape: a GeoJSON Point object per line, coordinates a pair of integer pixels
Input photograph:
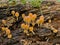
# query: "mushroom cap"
{"type": "Point", "coordinates": [23, 26]}
{"type": "Point", "coordinates": [23, 15]}
{"type": "Point", "coordinates": [7, 31]}
{"type": "Point", "coordinates": [49, 21]}
{"type": "Point", "coordinates": [41, 17]}
{"type": "Point", "coordinates": [3, 28]}
{"type": "Point", "coordinates": [30, 14]}
{"type": "Point", "coordinates": [31, 28]}
{"type": "Point", "coordinates": [17, 14]}
{"type": "Point", "coordinates": [13, 12]}
{"type": "Point", "coordinates": [4, 21]}
{"type": "Point", "coordinates": [10, 36]}
{"type": "Point", "coordinates": [26, 27]}
{"type": "Point", "coordinates": [55, 31]}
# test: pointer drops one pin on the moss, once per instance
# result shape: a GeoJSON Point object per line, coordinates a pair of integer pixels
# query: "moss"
{"type": "Point", "coordinates": [36, 3]}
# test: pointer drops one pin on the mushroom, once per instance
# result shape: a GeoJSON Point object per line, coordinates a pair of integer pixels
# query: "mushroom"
{"type": "Point", "coordinates": [23, 15]}
{"type": "Point", "coordinates": [9, 36]}
{"type": "Point", "coordinates": [49, 21]}
{"type": "Point", "coordinates": [31, 29]}
{"type": "Point", "coordinates": [7, 31]}
{"type": "Point", "coordinates": [17, 15]}
{"type": "Point", "coordinates": [26, 26]}
{"type": "Point", "coordinates": [30, 15]}
{"type": "Point", "coordinates": [34, 17]}
{"type": "Point", "coordinates": [3, 28]}
{"type": "Point", "coordinates": [55, 31]}
{"type": "Point", "coordinates": [41, 20]}
{"type": "Point", "coordinates": [23, 26]}
{"type": "Point", "coordinates": [38, 22]}
{"type": "Point", "coordinates": [26, 29]}
{"type": "Point", "coordinates": [4, 21]}
{"type": "Point", "coordinates": [27, 19]}
{"type": "Point", "coordinates": [13, 12]}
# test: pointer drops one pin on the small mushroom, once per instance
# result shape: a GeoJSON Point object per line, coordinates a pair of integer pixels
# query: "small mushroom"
{"type": "Point", "coordinates": [9, 36]}
{"type": "Point", "coordinates": [41, 20]}
{"type": "Point", "coordinates": [17, 15]}
{"type": "Point", "coordinates": [31, 29]}
{"type": "Point", "coordinates": [49, 21]}
{"type": "Point", "coordinates": [30, 14]}
{"type": "Point", "coordinates": [55, 31]}
{"type": "Point", "coordinates": [27, 19]}
{"type": "Point", "coordinates": [26, 26]}
{"type": "Point", "coordinates": [7, 31]}
{"type": "Point", "coordinates": [23, 15]}
{"type": "Point", "coordinates": [13, 12]}
{"type": "Point", "coordinates": [4, 21]}
{"type": "Point", "coordinates": [25, 31]}
{"type": "Point", "coordinates": [3, 28]}
{"type": "Point", "coordinates": [23, 26]}
{"type": "Point", "coordinates": [34, 17]}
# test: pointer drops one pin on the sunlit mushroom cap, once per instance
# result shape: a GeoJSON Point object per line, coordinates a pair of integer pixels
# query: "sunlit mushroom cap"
{"type": "Point", "coordinates": [30, 14]}
{"type": "Point", "coordinates": [26, 26]}
{"type": "Point", "coordinates": [7, 31]}
{"type": "Point", "coordinates": [4, 21]}
{"type": "Point", "coordinates": [23, 26]}
{"type": "Point", "coordinates": [41, 16]}
{"type": "Point", "coordinates": [55, 31]}
{"type": "Point", "coordinates": [35, 16]}
{"type": "Point", "coordinates": [28, 19]}
{"type": "Point", "coordinates": [3, 28]}
{"type": "Point", "coordinates": [30, 28]}
{"type": "Point", "coordinates": [49, 21]}
{"type": "Point", "coordinates": [16, 14]}
{"type": "Point", "coordinates": [23, 15]}
{"type": "Point", "coordinates": [13, 12]}
{"type": "Point", "coordinates": [9, 36]}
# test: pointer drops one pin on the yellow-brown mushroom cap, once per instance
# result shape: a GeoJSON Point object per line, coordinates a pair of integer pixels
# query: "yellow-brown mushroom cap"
{"type": "Point", "coordinates": [9, 36]}
{"type": "Point", "coordinates": [35, 16]}
{"type": "Point", "coordinates": [26, 26]}
{"type": "Point", "coordinates": [31, 28]}
{"type": "Point", "coordinates": [27, 19]}
{"type": "Point", "coordinates": [13, 12]}
{"type": "Point", "coordinates": [17, 14]}
{"type": "Point", "coordinates": [49, 21]}
{"type": "Point", "coordinates": [4, 21]}
{"type": "Point", "coordinates": [7, 31]}
{"type": "Point", "coordinates": [55, 31]}
{"type": "Point", "coordinates": [41, 17]}
{"type": "Point", "coordinates": [23, 15]}
{"type": "Point", "coordinates": [3, 28]}
{"type": "Point", "coordinates": [30, 14]}
{"type": "Point", "coordinates": [23, 26]}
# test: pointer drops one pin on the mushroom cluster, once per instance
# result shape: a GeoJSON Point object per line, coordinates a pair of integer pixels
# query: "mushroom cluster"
{"type": "Point", "coordinates": [8, 32]}
{"type": "Point", "coordinates": [16, 14]}
{"type": "Point", "coordinates": [31, 19]}
{"type": "Point", "coordinates": [40, 21]}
